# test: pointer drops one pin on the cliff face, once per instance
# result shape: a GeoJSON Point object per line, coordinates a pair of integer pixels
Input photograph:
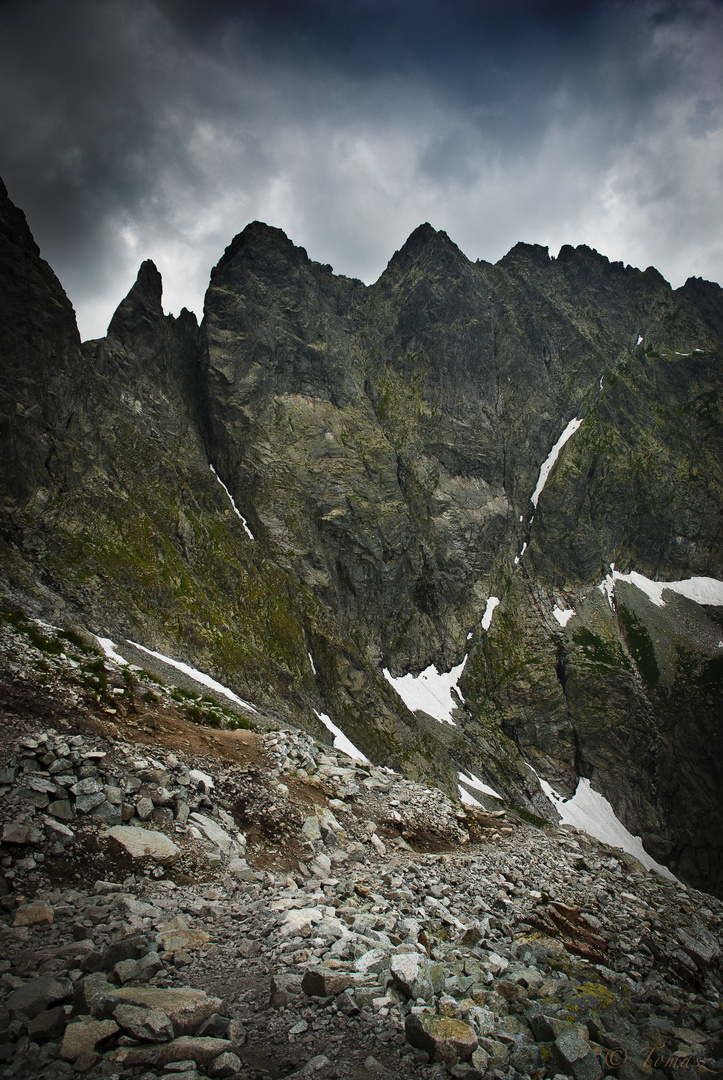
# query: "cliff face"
{"type": "Point", "coordinates": [381, 446]}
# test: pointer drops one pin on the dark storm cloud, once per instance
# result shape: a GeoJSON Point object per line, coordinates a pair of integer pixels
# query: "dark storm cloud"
{"type": "Point", "coordinates": [130, 129]}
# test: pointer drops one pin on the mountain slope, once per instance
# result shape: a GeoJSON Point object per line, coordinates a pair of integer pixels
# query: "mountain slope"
{"type": "Point", "coordinates": [379, 447]}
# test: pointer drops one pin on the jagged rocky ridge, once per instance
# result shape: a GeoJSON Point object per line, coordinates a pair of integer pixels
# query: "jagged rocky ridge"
{"type": "Point", "coordinates": [381, 444]}
{"type": "Point", "coordinates": [243, 904]}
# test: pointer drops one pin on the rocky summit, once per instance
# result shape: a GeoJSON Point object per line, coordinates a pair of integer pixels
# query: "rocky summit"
{"type": "Point", "coordinates": [462, 525]}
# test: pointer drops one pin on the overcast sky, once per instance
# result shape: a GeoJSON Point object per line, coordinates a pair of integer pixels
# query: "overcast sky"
{"type": "Point", "coordinates": [132, 130]}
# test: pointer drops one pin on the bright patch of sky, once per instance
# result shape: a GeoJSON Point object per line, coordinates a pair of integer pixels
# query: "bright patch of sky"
{"type": "Point", "coordinates": [479, 785]}
{"type": "Point", "coordinates": [703, 590]}
{"type": "Point", "coordinates": [430, 691]}
{"type": "Point", "coordinates": [199, 676]}
{"type": "Point", "coordinates": [563, 615]}
{"type": "Point", "coordinates": [591, 812]}
{"type": "Point", "coordinates": [134, 129]}
{"type": "Point", "coordinates": [233, 504]}
{"type": "Point", "coordinates": [492, 603]}
{"type": "Point", "coordinates": [346, 746]}
{"type": "Point", "coordinates": [548, 463]}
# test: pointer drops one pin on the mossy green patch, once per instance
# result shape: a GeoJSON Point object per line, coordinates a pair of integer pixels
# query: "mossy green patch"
{"type": "Point", "coordinates": [640, 646]}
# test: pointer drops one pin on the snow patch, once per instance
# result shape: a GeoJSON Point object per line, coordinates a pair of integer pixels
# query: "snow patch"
{"type": "Point", "coordinates": [430, 691]}
{"type": "Point", "coordinates": [108, 648]}
{"type": "Point", "coordinates": [591, 812]}
{"type": "Point", "coordinates": [703, 590]}
{"type": "Point", "coordinates": [340, 740]}
{"type": "Point", "coordinates": [548, 463]}
{"type": "Point", "coordinates": [640, 340]}
{"type": "Point", "coordinates": [492, 603]}
{"type": "Point", "coordinates": [193, 673]}
{"type": "Point", "coordinates": [563, 615]}
{"type": "Point", "coordinates": [311, 661]}
{"type": "Point", "coordinates": [474, 782]}
{"type": "Point", "coordinates": [236, 510]}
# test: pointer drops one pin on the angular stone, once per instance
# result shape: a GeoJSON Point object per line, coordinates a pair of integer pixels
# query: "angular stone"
{"type": "Point", "coordinates": [225, 1065]}
{"type": "Point", "coordinates": [138, 970]}
{"type": "Point", "coordinates": [298, 919]}
{"type": "Point", "coordinates": [39, 783]}
{"type": "Point", "coordinates": [548, 1028]}
{"type": "Point", "coordinates": [146, 1025]}
{"type": "Point", "coordinates": [58, 831]}
{"type": "Point", "coordinates": [199, 1049]}
{"type": "Point", "coordinates": [497, 1052]}
{"type": "Point", "coordinates": [375, 960]}
{"type": "Point", "coordinates": [416, 976]}
{"type": "Point", "coordinates": [62, 765]}
{"type": "Point", "coordinates": [108, 813]}
{"type": "Point", "coordinates": [574, 1055]}
{"type": "Point", "coordinates": [132, 947]}
{"type": "Point", "coordinates": [18, 832]}
{"type": "Point", "coordinates": [144, 843]}
{"type": "Point", "coordinates": [144, 808]}
{"type": "Point", "coordinates": [84, 1035]}
{"type": "Point", "coordinates": [320, 866]}
{"type": "Point", "coordinates": [526, 1059]}
{"type": "Point", "coordinates": [85, 803]}
{"type": "Point", "coordinates": [38, 995]}
{"type": "Point", "coordinates": [49, 1024]}
{"type": "Point", "coordinates": [327, 982]}
{"type": "Point", "coordinates": [185, 1007]}
{"type": "Point", "coordinates": [311, 829]}
{"type": "Point", "coordinates": [162, 816]}
{"type": "Point", "coordinates": [471, 936]}
{"type": "Point", "coordinates": [247, 948]}
{"type": "Point", "coordinates": [183, 939]}
{"type": "Point", "coordinates": [703, 948]}
{"type": "Point", "coordinates": [89, 786]}
{"type": "Point", "coordinates": [443, 1038]}
{"type": "Point", "coordinates": [33, 915]}
{"type": "Point", "coordinates": [218, 836]}
{"type": "Point", "coordinates": [61, 809]}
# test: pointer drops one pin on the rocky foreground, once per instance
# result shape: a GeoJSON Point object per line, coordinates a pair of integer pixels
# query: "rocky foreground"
{"type": "Point", "coordinates": [183, 900]}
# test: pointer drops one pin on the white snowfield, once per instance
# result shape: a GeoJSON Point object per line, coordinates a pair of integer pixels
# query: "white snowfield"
{"type": "Point", "coordinates": [492, 603]}
{"type": "Point", "coordinates": [430, 691]}
{"type": "Point", "coordinates": [340, 740]}
{"type": "Point", "coordinates": [109, 648]}
{"type": "Point", "coordinates": [236, 510]}
{"type": "Point", "coordinates": [563, 615]}
{"type": "Point", "coordinates": [479, 785]}
{"type": "Point", "coordinates": [591, 812]}
{"type": "Point", "coordinates": [546, 467]}
{"type": "Point", "coordinates": [703, 590]}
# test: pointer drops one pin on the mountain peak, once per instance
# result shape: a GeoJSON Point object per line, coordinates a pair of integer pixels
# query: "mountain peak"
{"type": "Point", "coordinates": [261, 241]}
{"type": "Point", "coordinates": [141, 309]}
{"type": "Point", "coordinates": [424, 246]}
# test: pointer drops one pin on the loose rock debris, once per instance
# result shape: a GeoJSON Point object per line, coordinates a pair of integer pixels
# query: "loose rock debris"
{"type": "Point", "coordinates": [257, 906]}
